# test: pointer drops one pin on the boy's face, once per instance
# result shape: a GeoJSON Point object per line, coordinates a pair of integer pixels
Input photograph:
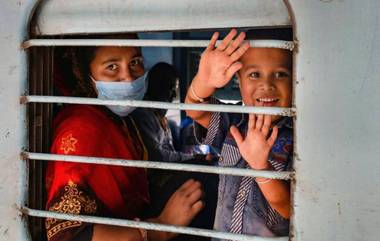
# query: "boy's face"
{"type": "Point", "coordinates": [266, 77]}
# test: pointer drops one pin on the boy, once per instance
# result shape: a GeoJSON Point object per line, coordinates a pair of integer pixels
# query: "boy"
{"type": "Point", "coordinates": [257, 206]}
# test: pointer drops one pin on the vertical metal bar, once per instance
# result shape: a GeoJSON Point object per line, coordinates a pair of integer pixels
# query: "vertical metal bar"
{"type": "Point", "coordinates": [33, 77]}
{"type": "Point", "coordinates": [46, 116]}
{"type": "Point", "coordinates": [39, 132]}
{"type": "Point", "coordinates": [39, 136]}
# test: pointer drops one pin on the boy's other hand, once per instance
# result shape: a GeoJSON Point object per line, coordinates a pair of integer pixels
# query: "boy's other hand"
{"type": "Point", "coordinates": [255, 147]}
{"type": "Point", "coordinates": [218, 64]}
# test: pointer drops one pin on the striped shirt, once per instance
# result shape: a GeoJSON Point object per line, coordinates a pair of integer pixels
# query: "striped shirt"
{"type": "Point", "coordinates": [241, 206]}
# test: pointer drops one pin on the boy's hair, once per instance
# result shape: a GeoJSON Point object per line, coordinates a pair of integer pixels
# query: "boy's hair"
{"type": "Point", "coordinates": [272, 33]}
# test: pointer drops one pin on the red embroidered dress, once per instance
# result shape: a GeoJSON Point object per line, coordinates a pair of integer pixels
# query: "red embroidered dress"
{"type": "Point", "coordinates": [91, 189]}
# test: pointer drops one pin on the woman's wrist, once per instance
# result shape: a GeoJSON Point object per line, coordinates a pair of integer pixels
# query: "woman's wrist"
{"type": "Point", "coordinates": [143, 232]}
{"type": "Point", "coordinates": [154, 235]}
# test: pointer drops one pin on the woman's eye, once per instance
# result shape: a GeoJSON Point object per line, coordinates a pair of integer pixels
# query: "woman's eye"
{"type": "Point", "coordinates": [136, 62]}
{"type": "Point", "coordinates": [280, 75]}
{"type": "Point", "coordinates": [254, 75]}
{"type": "Point", "coordinates": [112, 67]}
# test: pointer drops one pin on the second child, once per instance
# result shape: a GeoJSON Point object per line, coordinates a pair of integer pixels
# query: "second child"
{"type": "Point", "coordinates": [257, 206]}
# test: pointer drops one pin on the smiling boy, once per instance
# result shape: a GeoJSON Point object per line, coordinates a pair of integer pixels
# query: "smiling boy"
{"type": "Point", "coordinates": [257, 206]}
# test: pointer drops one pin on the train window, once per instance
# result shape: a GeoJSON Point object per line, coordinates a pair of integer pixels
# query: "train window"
{"type": "Point", "coordinates": [176, 44]}
{"type": "Point", "coordinates": [335, 71]}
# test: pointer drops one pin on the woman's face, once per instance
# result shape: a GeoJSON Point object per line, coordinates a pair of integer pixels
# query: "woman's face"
{"type": "Point", "coordinates": [117, 64]}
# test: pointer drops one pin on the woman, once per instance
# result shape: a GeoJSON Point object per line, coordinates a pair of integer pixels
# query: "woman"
{"type": "Point", "coordinates": [110, 191]}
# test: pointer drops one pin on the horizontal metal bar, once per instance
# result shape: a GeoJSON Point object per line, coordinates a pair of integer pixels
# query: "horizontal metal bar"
{"type": "Point", "coordinates": [159, 165]}
{"type": "Point", "coordinates": [289, 45]}
{"type": "Point", "coordinates": [146, 225]}
{"type": "Point", "coordinates": [159, 105]}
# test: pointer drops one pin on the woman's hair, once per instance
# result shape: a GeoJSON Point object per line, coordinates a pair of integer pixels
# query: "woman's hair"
{"type": "Point", "coordinates": [81, 57]}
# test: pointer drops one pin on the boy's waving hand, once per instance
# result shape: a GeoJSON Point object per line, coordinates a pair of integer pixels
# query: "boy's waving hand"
{"type": "Point", "coordinates": [219, 64]}
{"type": "Point", "coordinates": [216, 67]}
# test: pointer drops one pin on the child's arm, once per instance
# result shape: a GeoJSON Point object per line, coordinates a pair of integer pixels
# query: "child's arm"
{"type": "Point", "coordinates": [216, 68]}
{"type": "Point", "coordinates": [255, 148]}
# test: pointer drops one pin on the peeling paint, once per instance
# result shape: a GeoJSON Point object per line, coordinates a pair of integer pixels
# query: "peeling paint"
{"type": "Point", "coordinates": [339, 209]}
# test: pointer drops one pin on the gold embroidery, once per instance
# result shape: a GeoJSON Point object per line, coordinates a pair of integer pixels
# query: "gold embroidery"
{"type": "Point", "coordinates": [73, 201]}
{"type": "Point", "coordinates": [68, 144]}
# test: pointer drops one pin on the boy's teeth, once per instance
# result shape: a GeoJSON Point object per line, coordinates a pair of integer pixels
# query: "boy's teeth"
{"type": "Point", "coordinates": [267, 99]}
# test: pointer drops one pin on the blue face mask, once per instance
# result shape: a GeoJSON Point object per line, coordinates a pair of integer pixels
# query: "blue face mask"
{"type": "Point", "coordinates": [122, 90]}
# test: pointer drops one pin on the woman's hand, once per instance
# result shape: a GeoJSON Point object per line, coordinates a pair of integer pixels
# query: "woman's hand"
{"type": "Point", "coordinates": [181, 208]}
{"type": "Point", "coordinates": [183, 205]}
{"type": "Point", "coordinates": [256, 146]}
{"type": "Point", "coordinates": [218, 64]}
